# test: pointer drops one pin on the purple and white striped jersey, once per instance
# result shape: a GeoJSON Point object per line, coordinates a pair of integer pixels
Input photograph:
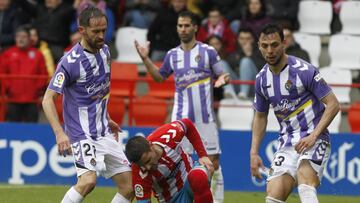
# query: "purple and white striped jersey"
{"type": "Point", "coordinates": [295, 95]}
{"type": "Point", "coordinates": [194, 72]}
{"type": "Point", "coordinates": [84, 80]}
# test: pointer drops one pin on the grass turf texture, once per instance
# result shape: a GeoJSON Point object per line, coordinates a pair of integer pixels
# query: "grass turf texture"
{"type": "Point", "coordinates": [49, 194]}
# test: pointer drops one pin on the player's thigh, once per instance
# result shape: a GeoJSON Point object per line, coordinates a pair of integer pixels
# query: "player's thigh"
{"type": "Point", "coordinates": [123, 181]}
{"type": "Point", "coordinates": [280, 187]}
{"type": "Point", "coordinates": [87, 179]}
{"type": "Point", "coordinates": [312, 163]}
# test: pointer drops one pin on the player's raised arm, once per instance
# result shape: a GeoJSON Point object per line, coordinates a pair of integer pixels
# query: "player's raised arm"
{"type": "Point", "coordinates": [48, 104]}
{"type": "Point", "coordinates": [258, 132]}
{"type": "Point", "coordinates": [143, 52]}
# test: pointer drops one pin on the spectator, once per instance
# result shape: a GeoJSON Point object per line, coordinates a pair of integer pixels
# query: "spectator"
{"type": "Point", "coordinates": [75, 37]}
{"type": "Point", "coordinates": [43, 47]}
{"type": "Point", "coordinates": [254, 16]}
{"type": "Point", "coordinates": [140, 13]}
{"type": "Point", "coordinates": [162, 30]}
{"type": "Point", "coordinates": [284, 12]}
{"type": "Point", "coordinates": [245, 64]}
{"type": "Point", "coordinates": [215, 24]}
{"type": "Point", "coordinates": [80, 5]}
{"type": "Point", "coordinates": [52, 22]}
{"type": "Point", "coordinates": [10, 18]}
{"type": "Point", "coordinates": [22, 59]}
{"type": "Point", "coordinates": [292, 47]}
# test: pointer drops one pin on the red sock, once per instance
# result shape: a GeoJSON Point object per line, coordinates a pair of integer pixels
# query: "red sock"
{"type": "Point", "coordinates": [199, 184]}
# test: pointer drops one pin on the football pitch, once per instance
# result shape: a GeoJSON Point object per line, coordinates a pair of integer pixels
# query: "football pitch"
{"type": "Point", "coordinates": [50, 194]}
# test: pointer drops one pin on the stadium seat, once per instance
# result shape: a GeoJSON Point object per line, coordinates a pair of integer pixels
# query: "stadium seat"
{"type": "Point", "coordinates": [235, 114]}
{"type": "Point", "coordinates": [332, 75]}
{"type": "Point", "coordinates": [344, 51]}
{"type": "Point", "coordinates": [116, 109]}
{"type": "Point", "coordinates": [124, 43]}
{"type": "Point", "coordinates": [350, 17]}
{"type": "Point", "coordinates": [123, 79]}
{"type": "Point", "coordinates": [354, 117]}
{"type": "Point", "coordinates": [315, 17]}
{"type": "Point", "coordinates": [311, 44]}
{"type": "Point", "coordinates": [163, 90]}
{"type": "Point", "coordinates": [149, 111]}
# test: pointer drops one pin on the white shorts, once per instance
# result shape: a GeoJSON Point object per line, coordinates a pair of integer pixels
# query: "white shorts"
{"type": "Point", "coordinates": [210, 138]}
{"type": "Point", "coordinates": [287, 160]}
{"type": "Point", "coordinates": [104, 156]}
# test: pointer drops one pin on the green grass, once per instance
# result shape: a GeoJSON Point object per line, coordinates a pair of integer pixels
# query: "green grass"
{"type": "Point", "coordinates": [50, 194]}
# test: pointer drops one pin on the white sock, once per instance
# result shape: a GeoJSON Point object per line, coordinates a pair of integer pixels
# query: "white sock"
{"type": "Point", "coordinates": [72, 196]}
{"type": "Point", "coordinates": [307, 194]}
{"type": "Point", "coordinates": [118, 198]}
{"type": "Point", "coordinates": [217, 186]}
{"type": "Point", "coordinates": [272, 200]}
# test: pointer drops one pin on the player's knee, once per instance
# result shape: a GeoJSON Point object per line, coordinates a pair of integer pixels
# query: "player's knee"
{"type": "Point", "coordinates": [198, 180]}
{"type": "Point", "coordinates": [86, 184]}
{"type": "Point", "coordinates": [270, 199]}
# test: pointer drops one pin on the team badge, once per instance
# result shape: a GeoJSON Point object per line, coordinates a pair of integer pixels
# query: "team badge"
{"type": "Point", "coordinates": [197, 58]}
{"type": "Point", "coordinates": [93, 162]}
{"type": "Point", "coordinates": [59, 80]}
{"type": "Point", "coordinates": [288, 85]}
{"type": "Point", "coordinates": [139, 190]}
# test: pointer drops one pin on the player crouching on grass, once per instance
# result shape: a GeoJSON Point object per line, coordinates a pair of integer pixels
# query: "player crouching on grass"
{"type": "Point", "coordinates": [161, 165]}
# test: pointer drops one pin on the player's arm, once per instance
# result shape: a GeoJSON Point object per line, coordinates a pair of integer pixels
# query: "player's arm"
{"type": "Point", "coordinates": [193, 135]}
{"type": "Point", "coordinates": [258, 132]}
{"type": "Point", "coordinates": [48, 104]}
{"type": "Point", "coordinates": [152, 69]}
{"type": "Point", "coordinates": [331, 109]}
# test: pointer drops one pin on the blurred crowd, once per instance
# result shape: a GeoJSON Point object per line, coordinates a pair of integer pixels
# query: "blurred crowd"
{"type": "Point", "coordinates": [34, 34]}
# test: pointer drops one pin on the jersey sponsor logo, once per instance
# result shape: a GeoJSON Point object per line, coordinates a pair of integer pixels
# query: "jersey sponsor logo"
{"type": "Point", "coordinates": [59, 80]}
{"type": "Point", "coordinates": [139, 190]}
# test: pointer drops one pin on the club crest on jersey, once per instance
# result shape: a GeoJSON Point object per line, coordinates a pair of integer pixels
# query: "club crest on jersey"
{"type": "Point", "coordinates": [288, 85]}
{"type": "Point", "coordinates": [198, 58]}
{"type": "Point", "coordinates": [139, 190]}
{"type": "Point", "coordinates": [93, 162]}
{"type": "Point", "coordinates": [59, 80]}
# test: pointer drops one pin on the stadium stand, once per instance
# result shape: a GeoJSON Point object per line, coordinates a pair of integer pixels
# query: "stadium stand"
{"type": "Point", "coordinates": [354, 117]}
{"type": "Point", "coordinates": [235, 114]}
{"type": "Point", "coordinates": [116, 108]}
{"type": "Point", "coordinates": [350, 17]}
{"type": "Point", "coordinates": [315, 17]}
{"type": "Point", "coordinates": [148, 111]}
{"type": "Point", "coordinates": [124, 43]}
{"type": "Point", "coordinates": [344, 51]}
{"type": "Point", "coordinates": [311, 44]}
{"type": "Point", "coordinates": [123, 77]}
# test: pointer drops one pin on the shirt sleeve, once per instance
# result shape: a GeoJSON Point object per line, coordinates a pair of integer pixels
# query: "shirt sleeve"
{"type": "Point", "coordinates": [60, 79]}
{"type": "Point", "coordinates": [315, 82]}
{"type": "Point", "coordinates": [261, 104]}
{"type": "Point", "coordinates": [193, 135]}
{"type": "Point", "coordinates": [142, 184]}
{"type": "Point", "coordinates": [165, 69]}
{"type": "Point", "coordinates": [214, 60]}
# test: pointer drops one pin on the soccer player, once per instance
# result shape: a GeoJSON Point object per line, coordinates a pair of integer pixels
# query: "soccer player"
{"type": "Point", "coordinates": [194, 66]}
{"type": "Point", "coordinates": [161, 165]}
{"type": "Point", "coordinates": [304, 106]}
{"type": "Point", "coordinates": [83, 77]}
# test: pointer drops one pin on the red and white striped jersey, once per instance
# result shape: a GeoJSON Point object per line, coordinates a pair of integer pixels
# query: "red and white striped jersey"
{"type": "Point", "coordinates": [169, 177]}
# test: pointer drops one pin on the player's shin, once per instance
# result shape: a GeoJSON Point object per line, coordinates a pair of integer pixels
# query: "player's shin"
{"type": "Point", "coordinates": [307, 194]}
{"type": "Point", "coordinates": [72, 196]}
{"type": "Point", "coordinates": [217, 186]}
{"type": "Point", "coordinates": [199, 184]}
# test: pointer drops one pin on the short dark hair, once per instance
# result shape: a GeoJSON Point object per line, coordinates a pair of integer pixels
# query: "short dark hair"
{"type": "Point", "coordinates": [272, 28]}
{"type": "Point", "coordinates": [192, 16]}
{"type": "Point", "coordinates": [23, 28]}
{"type": "Point", "coordinates": [88, 13]}
{"type": "Point", "coordinates": [136, 147]}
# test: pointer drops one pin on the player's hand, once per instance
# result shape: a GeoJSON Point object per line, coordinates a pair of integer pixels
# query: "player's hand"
{"type": "Point", "coordinates": [255, 164]}
{"type": "Point", "coordinates": [205, 161]}
{"type": "Point", "coordinates": [114, 127]}
{"type": "Point", "coordinates": [143, 51]}
{"type": "Point", "coordinates": [63, 144]}
{"type": "Point", "coordinates": [222, 80]}
{"type": "Point", "coordinates": [305, 143]}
